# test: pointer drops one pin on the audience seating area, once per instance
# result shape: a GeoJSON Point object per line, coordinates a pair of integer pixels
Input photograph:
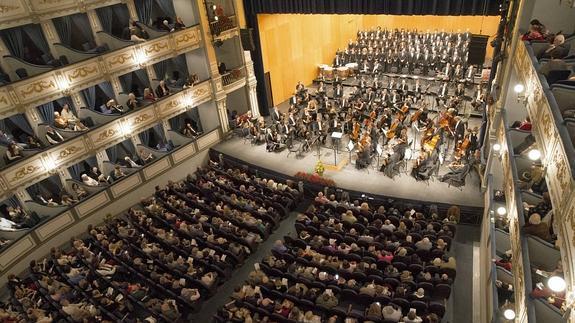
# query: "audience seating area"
{"type": "Point", "coordinates": [160, 260]}
{"type": "Point", "coordinates": [355, 263]}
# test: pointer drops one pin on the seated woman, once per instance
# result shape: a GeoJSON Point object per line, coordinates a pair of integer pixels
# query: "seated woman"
{"type": "Point", "coordinates": [115, 107]}
{"type": "Point", "coordinates": [162, 90]}
{"type": "Point", "coordinates": [192, 80]}
{"type": "Point", "coordinates": [59, 121]}
{"type": "Point", "coordinates": [79, 191]}
{"type": "Point", "coordinates": [132, 102]}
{"type": "Point", "coordinates": [189, 131]}
{"type": "Point", "coordinates": [458, 172]}
{"type": "Point", "coordinates": [89, 181]}
{"type": "Point", "coordinates": [67, 114]}
{"type": "Point", "coordinates": [33, 143]}
{"type": "Point", "coordinates": [390, 164]}
{"type": "Point", "coordinates": [424, 166]}
{"type": "Point", "coordinates": [117, 173]}
{"type": "Point", "coordinates": [14, 152]}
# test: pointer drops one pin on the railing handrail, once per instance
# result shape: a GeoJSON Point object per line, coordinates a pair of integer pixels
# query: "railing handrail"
{"type": "Point", "coordinates": [78, 64]}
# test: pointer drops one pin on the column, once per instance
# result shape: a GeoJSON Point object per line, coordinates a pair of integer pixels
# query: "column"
{"type": "Point", "coordinates": [94, 24]}
{"type": "Point", "coordinates": [251, 85]}
{"type": "Point", "coordinates": [101, 157]}
{"type": "Point", "coordinates": [5, 67]}
{"type": "Point", "coordinates": [117, 86]}
{"type": "Point", "coordinates": [223, 114]}
{"type": "Point", "coordinates": [51, 36]}
{"type": "Point", "coordinates": [132, 10]}
{"type": "Point", "coordinates": [78, 100]}
{"type": "Point", "coordinates": [22, 196]}
{"type": "Point", "coordinates": [33, 119]}
{"type": "Point", "coordinates": [151, 73]}
{"type": "Point", "coordinates": [218, 88]}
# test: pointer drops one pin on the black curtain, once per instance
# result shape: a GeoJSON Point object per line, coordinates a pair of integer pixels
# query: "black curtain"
{"type": "Point", "coordinates": [390, 7]}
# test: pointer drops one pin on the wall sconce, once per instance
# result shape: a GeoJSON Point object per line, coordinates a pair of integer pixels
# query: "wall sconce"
{"type": "Point", "coordinates": [141, 58]}
{"type": "Point", "coordinates": [508, 311]}
{"type": "Point", "coordinates": [501, 210]}
{"type": "Point", "coordinates": [50, 165]}
{"type": "Point", "coordinates": [64, 85]}
{"type": "Point", "coordinates": [496, 147]}
{"type": "Point", "coordinates": [556, 284]}
{"type": "Point", "coordinates": [125, 129]}
{"type": "Point", "coordinates": [519, 89]}
{"type": "Point", "coordinates": [534, 154]}
{"type": "Point", "coordinates": [188, 101]}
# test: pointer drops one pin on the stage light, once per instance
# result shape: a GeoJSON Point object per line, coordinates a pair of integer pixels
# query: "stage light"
{"type": "Point", "coordinates": [556, 284]}
{"type": "Point", "coordinates": [496, 147]}
{"type": "Point", "coordinates": [534, 154]}
{"type": "Point", "coordinates": [519, 88]}
{"type": "Point", "coordinates": [509, 314]}
{"type": "Point", "coordinates": [501, 210]}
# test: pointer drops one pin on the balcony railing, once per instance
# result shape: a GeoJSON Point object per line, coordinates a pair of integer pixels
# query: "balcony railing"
{"type": "Point", "coordinates": [223, 24]}
{"type": "Point", "coordinates": [232, 76]}
{"type": "Point", "coordinates": [40, 166]}
{"type": "Point", "coordinates": [51, 85]}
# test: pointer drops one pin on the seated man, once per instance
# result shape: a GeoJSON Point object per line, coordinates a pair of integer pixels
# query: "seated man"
{"type": "Point", "coordinates": [146, 157]}
{"type": "Point", "coordinates": [189, 131]}
{"type": "Point", "coordinates": [59, 121]}
{"type": "Point", "coordinates": [53, 137]}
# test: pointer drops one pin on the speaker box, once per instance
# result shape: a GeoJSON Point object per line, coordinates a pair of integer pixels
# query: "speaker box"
{"type": "Point", "coordinates": [247, 38]}
{"type": "Point", "coordinates": [477, 49]}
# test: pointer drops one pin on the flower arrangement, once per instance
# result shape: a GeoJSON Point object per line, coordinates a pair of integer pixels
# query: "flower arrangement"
{"type": "Point", "coordinates": [319, 168]}
{"type": "Point", "coordinates": [314, 179]}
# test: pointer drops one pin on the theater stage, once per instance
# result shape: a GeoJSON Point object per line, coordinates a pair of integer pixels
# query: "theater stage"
{"type": "Point", "coordinates": [368, 180]}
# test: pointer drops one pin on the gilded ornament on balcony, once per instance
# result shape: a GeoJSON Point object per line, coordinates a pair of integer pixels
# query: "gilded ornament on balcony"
{"type": "Point", "coordinates": [547, 125]}
{"type": "Point", "coordinates": [7, 8]}
{"type": "Point", "coordinates": [3, 99]}
{"type": "Point", "coordinates": [38, 87]}
{"type": "Point", "coordinates": [67, 152]}
{"type": "Point", "coordinates": [121, 59]}
{"type": "Point", "coordinates": [106, 134]}
{"type": "Point", "coordinates": [141, 118]}
{"type": "Point", "coordinates": [199, 92]}
{"type": "Point", "coordinates": [186, 38]}
{"type": "Point", "coordinates": [25, 171]}
{"type": "Point", "coordinates": [82, 72]}
{"type": "Point", "coordinates": [155, 48]}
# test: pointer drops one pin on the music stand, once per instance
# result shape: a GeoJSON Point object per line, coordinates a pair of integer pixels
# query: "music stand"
{"type": "Point", "coordinates": [350, 146]}
{"type": "Point", "coordinates": [335, 139]}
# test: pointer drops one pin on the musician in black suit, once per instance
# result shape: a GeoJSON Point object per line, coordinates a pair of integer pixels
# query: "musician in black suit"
{"type": "Point", "coordinates": [338, 92]}
{"type": "Point", "coordinates": [276, 115]}
{"type": "Point", "coordinates": [458, 130]}
{"type": "Point", "coordinates": [460, 90]}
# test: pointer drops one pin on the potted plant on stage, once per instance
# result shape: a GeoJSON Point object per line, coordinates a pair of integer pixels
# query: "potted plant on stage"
{"type": "Point", "coordinates": [319, 168]}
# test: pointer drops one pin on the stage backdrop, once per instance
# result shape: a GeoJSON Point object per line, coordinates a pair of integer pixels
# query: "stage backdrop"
{"type": "Point", "coordinates": [293, 45]}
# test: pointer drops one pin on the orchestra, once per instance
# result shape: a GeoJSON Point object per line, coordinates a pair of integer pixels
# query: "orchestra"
{"type": "Point", "coordinates": [384, 115]}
